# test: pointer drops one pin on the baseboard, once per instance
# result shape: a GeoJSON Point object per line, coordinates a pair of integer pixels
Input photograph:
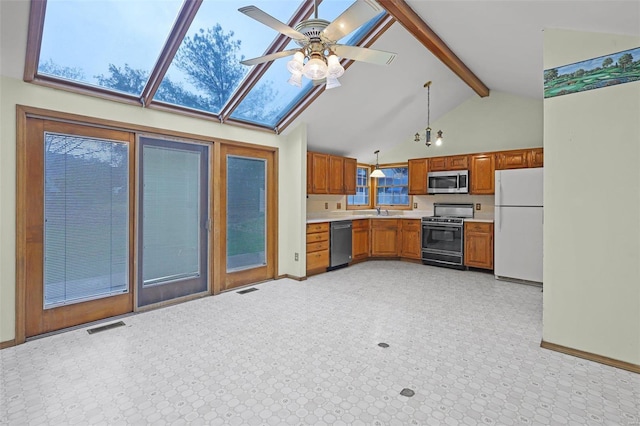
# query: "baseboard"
{"type": "Point", "coordinates": [634, 368]}
{"type": "Point", "coordinates": [7, 344]}
{"type": "Point", "coordinates": [293, 277]}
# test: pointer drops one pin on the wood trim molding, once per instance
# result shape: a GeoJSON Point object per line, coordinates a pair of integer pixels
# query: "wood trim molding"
{"type": "Point", "coordinates": [413, 23]}
{"type": "Point", "coordinates": [634, 368]}
{"type": "Point", "coordinates": [34, 39]}
{"type": "Point", "coordinates": [178, 32]}
{"type": "Point", "coordinates": [7, 344]}
{"type": "Point", "coordinates": [21, 225]}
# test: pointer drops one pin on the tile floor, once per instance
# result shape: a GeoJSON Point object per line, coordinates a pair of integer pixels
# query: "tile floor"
{"type": "Point", "coordinates": [307, 353]}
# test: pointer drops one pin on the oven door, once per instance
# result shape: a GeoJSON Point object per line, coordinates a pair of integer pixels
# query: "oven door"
{"type": "Point", "coordinates": [442, 244]}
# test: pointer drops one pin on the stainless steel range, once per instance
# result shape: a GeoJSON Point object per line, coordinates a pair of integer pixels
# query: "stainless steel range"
{"type": "Point", "coordinates": [443, 235]}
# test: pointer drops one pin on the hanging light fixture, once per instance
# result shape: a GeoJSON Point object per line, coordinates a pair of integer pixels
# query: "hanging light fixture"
{"type": "Point", "coordinates": [427, 135]}
{"type": "Point", "coordinates": [377, 173]}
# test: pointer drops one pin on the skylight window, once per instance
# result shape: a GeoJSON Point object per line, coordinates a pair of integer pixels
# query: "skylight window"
{"type": "Point", "coordinates": [103, 43]}
{"type": "Point", "coordinates": [178, 55]}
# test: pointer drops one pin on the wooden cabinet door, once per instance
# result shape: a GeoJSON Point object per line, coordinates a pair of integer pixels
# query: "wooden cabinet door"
{"type": "Point", "coordinates": [457, 162]}
{"type": "Point", "coordinates": [437, 164]}
{"type": "Point", "coordinates": [410, 246]}
{"type": "Point", "coordinates": [384, 238]}
{"type": "Point", "coordinates": [536, 157]}
{"type": "Point", "coordinates": [482, 174]}
{"type": "Point", "coordinates": [418, 169]}
{"type": "Point", "coordinates": [320, 168]}
{"type": "Point", "coordinates": [360, 236]}
{"type": "Point", "coordinates": [350, 172]}
{"type": "Point", "coordinates": [512, 159]}
{"type": "Point", "coordinates": [336, 175]}
{"type": "Point", "coordinates": [309, 173]}
{"type": "Point", "coordinates": [478, 245]}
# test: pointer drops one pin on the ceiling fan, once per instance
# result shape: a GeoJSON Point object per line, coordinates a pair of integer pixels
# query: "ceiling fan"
{"type": "Point", "coordinates": [318, 41]}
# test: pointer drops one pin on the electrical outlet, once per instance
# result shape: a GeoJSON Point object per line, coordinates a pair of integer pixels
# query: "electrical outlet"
{"type": "Point", "coordinates": [478, 206]}
{"type": "Point", "coordinates": [296, 257]}
{"type": "Point", "coordinates": [326, 206]}
{"type": "Point", "coordinates": [339, 206]}
{"type": "Point", "coordinates": [415, 205]}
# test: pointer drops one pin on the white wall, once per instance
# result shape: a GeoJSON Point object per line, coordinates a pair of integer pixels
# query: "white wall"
{"type": "Point", "coordinates": [592, 250]}
{"type": "Point", "coordinates": [498, 122]}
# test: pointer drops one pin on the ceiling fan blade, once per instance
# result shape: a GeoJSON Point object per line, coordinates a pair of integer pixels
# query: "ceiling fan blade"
{"type": "Point", "coordinates": [363, 54]}
{"type": "Point", "coordinates": [271, 57]}
{"type": "Point", "coordinates": [354, 17]}
{"type": "Point", "coordinates": [270, 21]}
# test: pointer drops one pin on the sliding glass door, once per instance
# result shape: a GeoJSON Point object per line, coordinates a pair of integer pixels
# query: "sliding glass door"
{"type": "Point", "coordinates": [173, 218]}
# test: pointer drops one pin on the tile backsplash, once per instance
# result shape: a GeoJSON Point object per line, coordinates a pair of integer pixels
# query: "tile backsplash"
{"type": "Point", "coordinates": [318, 204]}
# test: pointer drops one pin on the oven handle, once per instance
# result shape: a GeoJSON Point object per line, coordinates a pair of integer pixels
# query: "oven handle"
{"type": "Point", "coordinates": [429, 225]}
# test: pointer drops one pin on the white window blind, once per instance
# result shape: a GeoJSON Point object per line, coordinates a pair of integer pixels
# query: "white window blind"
{"type": "Point", "coordinates": [171, 214]}
{"type": "Point", "coordinates": [86, 212]}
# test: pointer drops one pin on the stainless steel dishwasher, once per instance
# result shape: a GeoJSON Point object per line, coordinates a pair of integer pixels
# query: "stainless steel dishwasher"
{"type": "Point", "coordinates": [340, 243]}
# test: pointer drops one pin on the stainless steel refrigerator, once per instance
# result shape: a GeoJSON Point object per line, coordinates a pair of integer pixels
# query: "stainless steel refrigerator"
{"type": "Point", "coordinates": [518, 224]}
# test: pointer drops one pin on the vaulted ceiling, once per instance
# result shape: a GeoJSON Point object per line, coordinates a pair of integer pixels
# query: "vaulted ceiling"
{"type": "Point", "coordinates": [467, 48]}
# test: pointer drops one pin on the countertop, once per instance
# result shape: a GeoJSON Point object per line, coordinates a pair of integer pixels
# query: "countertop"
{"type": "Point", "coordinates": [417, 215]}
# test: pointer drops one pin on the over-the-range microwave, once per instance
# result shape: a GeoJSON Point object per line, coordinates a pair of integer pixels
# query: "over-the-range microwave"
{"type": "Point", "coordinates": [449, 182]}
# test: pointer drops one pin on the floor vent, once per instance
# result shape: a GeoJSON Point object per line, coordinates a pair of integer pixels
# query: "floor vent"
{"type": "Point", "coordinates": [249, 290]}
{"type": "Point", "coordinates": [407, 392]}
{"type": "Point", "coordinates": [106, 327]}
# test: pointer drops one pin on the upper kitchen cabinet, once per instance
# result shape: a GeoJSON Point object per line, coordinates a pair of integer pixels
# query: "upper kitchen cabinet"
{"type": "Point", "coordinates": [519, 159]}
{"type": "Point", "coordinates": [350, 175]}
{"type": "Point", "coordinates": [451, 162]}
{"type": "Point", "coordinates": [536, 157]}
{"type": "Point", "coordinates": [418, 169]}
{"type": "Point", "coordinates": [482, 174]}
{"type": "Point", "coordinates": [336, 175]}
{"type": "Point", "coordinates": [330, 174]}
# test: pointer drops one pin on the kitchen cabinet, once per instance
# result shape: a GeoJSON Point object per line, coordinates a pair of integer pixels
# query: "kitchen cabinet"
{"type": "Point", "coordinates": [336, 175]}
{"type": "Point", "coordinates": [519, 159]}
{"type": "Point", "coordinates": [385, 237]}
{"type": "Point", "coordinates": [536, 157]}
{"type": "Point", "coordinates": [360, 239]}
{"type": "Point", "coordinates": [418, 169]}
{"type": "Point", "coordinates": [410, 243]}
{"type": "Point", "coordinates": [350, 175]}
{"type": "Point", "coordinates": [482, 174]}
{"type": "Point", "coordinates": [330, 174]}
{"type": "Point", "coordinates": [478, 245]}
{"type": "Point", "coordinates": [317, 247]}
{"type": "Point", "coordinates": [451, 162]}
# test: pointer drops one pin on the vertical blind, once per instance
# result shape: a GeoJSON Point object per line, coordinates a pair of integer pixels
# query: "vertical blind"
{"type": "Point", "coordinates": [246, 213]}
{"type": "Point", "coordinates": [86, 212]}
{"type": "Point", "coordinates": [171, 214]}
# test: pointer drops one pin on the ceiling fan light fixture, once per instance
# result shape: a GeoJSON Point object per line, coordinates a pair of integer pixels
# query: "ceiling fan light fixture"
{"type": "Point", "coordinates": [295, 79]}
{"type": "Point", "coordinates": [315, 68]}
{"type": "Point", "coordinates": [334, 68]}
{"type": "Point", "coordinates": [332, 82]}
{"type": "Point", "coordinates": [296, 65]}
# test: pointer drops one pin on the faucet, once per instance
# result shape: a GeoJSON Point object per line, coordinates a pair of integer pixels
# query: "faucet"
{"type": "Point", "coordinates": [378, 210]}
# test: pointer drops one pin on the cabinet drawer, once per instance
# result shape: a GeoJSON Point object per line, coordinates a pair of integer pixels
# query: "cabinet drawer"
{"type": "Point", "coordinates": [384, 223]}
{"type": "Point", "coordinates": [360, 224]}
{"type": "Point", "coordinates": [320, 245]}
{"type": "Point", "coordinates": [317, 227]}
{"type": "Point", "coordinates": [479, 227]}
{"type": "Point", "coordinates": [318, 236]}
{"type": "Point", "coordinates": [318, 260]}
{"type": "Point", "coordinates": [411, 224]}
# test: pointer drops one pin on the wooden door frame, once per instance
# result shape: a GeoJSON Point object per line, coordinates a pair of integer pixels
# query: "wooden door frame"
{"type": "Point", "coordinates": [245, 150]}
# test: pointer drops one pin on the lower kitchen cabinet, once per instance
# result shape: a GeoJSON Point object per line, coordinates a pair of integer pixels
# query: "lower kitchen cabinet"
{"type": "Point", "coordinates": [478, 245]}
{"type": "Point", "coordinates": [360, 239]}
{"type": "Point", "coordinates": [410, 246]}
{"type": "Point", "coordinates": [317, 247]}
{"type": "Point", "coordinates": [385, 239]}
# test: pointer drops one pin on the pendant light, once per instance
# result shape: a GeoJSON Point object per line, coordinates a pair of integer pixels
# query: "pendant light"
{"type": "Point", "coordinates": [427, 131]}
{"type": "Point", "coordinates": [377, 173]}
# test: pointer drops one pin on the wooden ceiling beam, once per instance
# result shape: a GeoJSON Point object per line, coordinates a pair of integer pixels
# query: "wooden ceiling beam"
{"type": "Point", "coordinates": [411, 21]}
